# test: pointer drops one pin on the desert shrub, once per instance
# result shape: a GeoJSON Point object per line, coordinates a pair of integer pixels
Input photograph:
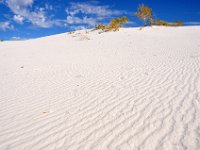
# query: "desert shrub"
{"type": "Point", "coordinates": [123, 20]}
{"type": "Point", "coordinates": [159, 22]}
{"type": "Point", "coordinates": [116, 23]}
{"type": "Point", "coordinates": [100, 27]}
{"type": "Point", "coordinates": [113, 25]}
{"type": "Point", "coordinates": [177, 23]}
{"type": "Point", "coordinates": [145, 14]}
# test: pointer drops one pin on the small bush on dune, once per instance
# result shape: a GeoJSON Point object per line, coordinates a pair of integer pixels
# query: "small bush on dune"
{"type": "Point", "coordinates": [117, 23]}
{"type": "Point", "coordinates": [177, 23]}
{"type": "Point", "coordinates": [159, 22]}
{"type": "Point", "coordinates": [100, 27]}
{"type": "Point", "coordinates": [144, 13]}
{"type": "Point", "coordinates": [114, 25]}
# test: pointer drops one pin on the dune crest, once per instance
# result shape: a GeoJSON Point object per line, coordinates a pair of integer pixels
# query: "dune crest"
{"type": "Point", "coordinates": [132, 89]}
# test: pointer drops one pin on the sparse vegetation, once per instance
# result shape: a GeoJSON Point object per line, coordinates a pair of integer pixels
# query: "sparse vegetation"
{"type": "Point", "coordinates": [114, 25]}
{"type": "Point", "coordinates": [1, 40]}
{"type": "Point", "coordinates": [100, 27]}
{"type": "Point", "coordinates": [144, 13]}
{"type": "Point", "coordinates": [117, 23]}
{"type": "Point", "coordinates": [177, 23]}
{"type": "Point", "coordinates": [159, 22]}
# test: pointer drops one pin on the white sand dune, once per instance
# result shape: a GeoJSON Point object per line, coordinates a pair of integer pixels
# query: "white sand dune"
{"type": "Point", "coordinates": [132, 89]}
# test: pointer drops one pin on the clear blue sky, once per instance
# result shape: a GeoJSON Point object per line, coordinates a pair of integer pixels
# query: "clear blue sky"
{"type": "Point", "coordinates": [24, 19]}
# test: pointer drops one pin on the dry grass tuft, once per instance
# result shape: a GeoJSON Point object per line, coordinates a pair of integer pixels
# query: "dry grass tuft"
{"type": "Point", "coordinates": [114, 25]}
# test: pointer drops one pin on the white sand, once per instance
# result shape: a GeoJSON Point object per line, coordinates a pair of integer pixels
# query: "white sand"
{"type": "Point", "coordinates": [122, 90]}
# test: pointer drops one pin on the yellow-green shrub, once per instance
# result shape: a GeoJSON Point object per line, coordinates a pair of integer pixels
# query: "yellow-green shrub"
{"type": "Point", "coordinates": [145, 14]}
{"type": "Point", "coordinates": [100, 27]}
{"type": "Point", "coordinates": [159, 22]}
{"type": "Point", "coordinates": [177, 23]}
{"type": "Point", "coordinates": [116, 23]}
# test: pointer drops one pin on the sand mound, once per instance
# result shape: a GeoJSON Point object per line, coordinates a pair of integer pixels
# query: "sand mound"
{"type": "Point", "coordinates": [132, 89]}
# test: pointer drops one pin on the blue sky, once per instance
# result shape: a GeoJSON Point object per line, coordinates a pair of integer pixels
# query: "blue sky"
{"type": "Point", "coordinates": [24, 19]}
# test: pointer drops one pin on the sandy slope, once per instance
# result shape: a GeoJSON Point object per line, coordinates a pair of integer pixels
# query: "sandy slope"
{"type": "Point", "coordinates": [126, 90]}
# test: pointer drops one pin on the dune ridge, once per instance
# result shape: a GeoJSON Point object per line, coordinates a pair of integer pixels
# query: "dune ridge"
{"type": "Point", "coordinates": [132, 89]}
